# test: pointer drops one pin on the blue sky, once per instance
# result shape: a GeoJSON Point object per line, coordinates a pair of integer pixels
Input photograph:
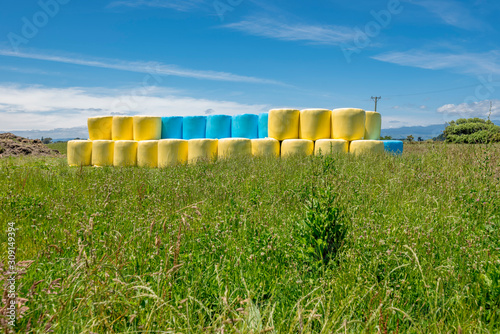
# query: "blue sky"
{"type": "Point", "coordinates": [62, 61]}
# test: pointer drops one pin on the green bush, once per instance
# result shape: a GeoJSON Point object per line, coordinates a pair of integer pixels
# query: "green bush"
{"type": "Point", "coordinates": [472, 131]}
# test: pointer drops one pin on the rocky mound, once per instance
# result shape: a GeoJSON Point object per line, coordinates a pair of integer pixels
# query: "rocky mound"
{"type": "Point", "coordinates": [12, 145]}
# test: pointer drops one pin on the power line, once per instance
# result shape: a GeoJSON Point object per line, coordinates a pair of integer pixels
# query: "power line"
{"type": "Point", "coordinates": [435, 91]}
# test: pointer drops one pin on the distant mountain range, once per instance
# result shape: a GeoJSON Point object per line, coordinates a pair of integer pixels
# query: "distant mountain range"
{"type": "Point", "coordinates": [64, 134]}
{"type": "Point", "coordinates": [426, 132]}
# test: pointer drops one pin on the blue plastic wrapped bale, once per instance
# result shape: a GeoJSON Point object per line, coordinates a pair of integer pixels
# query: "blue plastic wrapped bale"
{"type": "Point", "coordinates": [263, 124]}
{"type": "Point", "coordinates": [194, 127]}
{"type": "Point", "coordinates": [393, 146]}
{"type": "Point", "coordinates": [171, 127]}
{"type": "Point", "coordinates": [245, 126]}
{"type": "Point", "coordinates": [218, 126]}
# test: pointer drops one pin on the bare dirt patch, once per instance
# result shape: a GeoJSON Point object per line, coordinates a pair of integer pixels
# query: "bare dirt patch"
{"type": "Point", "coordinates": [12, 145]}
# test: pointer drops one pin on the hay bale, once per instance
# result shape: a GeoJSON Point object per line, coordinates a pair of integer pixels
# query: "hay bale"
{"type": "Point", "coordinates": [122, 128]}
{"type": "Point", "coordinates": [348, 124]}
{"type": "Point", "coordinates": [172, 152]}
{"type": "Point", "coordinates": [147, 128]}
{"type": "Point", "coordinates": [330, 146]}
{"type": "Point", "coordinates": [125, 153]}
{"type": "Point", "coordinates": [100, 127]}
{"type": "Point", "coordinates": [302, 147]}
{"type": "Point", "coordinates": [79, 153]}
{"type": "Point", "coordinates": [315, 124]}
{"type": "Point", "coordinates": [283, 124]}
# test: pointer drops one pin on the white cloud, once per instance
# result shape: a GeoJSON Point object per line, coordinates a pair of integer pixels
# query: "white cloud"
{"type": "Point", "coordinates": [318, 34]}
{"type": "Point", "coordinates": [43, 108]}
{"type": "Point", "coordinates": [469, 63]}
{"type": "Point", "coordinates": [153, 68]}
{"type": "Point", "coordinates": [179, 5]}
{"type": "Point", "coordinates": [451, 12]}
{"type": "Point", "coordinates": [474, 109]}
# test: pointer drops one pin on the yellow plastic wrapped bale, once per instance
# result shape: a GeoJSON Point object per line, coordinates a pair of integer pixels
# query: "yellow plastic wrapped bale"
{"type": "Point", "coordinates": [122, 128]}
{"type": "Point", "coordinates": [373, 125]}
{"type": "Point", "coordinates": [230, 147]}
{"type": "Point", "coordinates": [102, 153]}
{"type": "Point", "coordinates": [348, 124]}
{"type": "Point", "coordinates": [302, 147]}
{"type": "Point", "coordinates": [79, 153]}
{"type": "Point", "coordinates": [172, 152]}
{"type": "Point", "coordinates": [147, 128]}
{"type": "Point", "coordinates": [100, 127]}
{"type": "Point", "coordinates": [315, 124]}
{"type": "Point", "coordinates": [283, 124]}
{"type": "Point", "coordinates": [202, 149]}
{"type": "Point", "coordinates": [359, 147]}
{"type": "Point", "coordinates": [330, 146]}
{"type": "Point", "coordinates": [147, 153]}
{"type": "Point", "coordinates": [265, 147]}
{"type": "Point", "coordinates": [125, 153]}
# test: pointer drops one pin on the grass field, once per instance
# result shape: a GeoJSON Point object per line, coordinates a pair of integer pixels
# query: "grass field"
{"type": "Point", "coordinates": [238, 246]}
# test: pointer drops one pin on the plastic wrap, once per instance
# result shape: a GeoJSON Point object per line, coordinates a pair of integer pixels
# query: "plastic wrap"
{"type": "Point", "coordinates": [315, 124]}
{"type": "Point", "coordinates": [263, 125]}
{"type": "Point", "coordinates": [245, 126]}
{"type": "Point", "coordinates": [125, 153]}
{"type": "Point", "coordinates": [79, 152]}
{"type": "Point", "coordinates": [122, 128]}
{"type": "Point", "coordinates": [172, 152]}
{"type": "Point", "coordinates": [302, 147]}
{"type": "Point", "coordinates": [171, 127]}
{"type": "Point", "coordinates": [231, 147]}
{"type": "Point", "coordinates": [283, 124]}
{"type": "Point", "coordinates": [360, 147]}
{"type": "Point", "coordinates": [265, 147]}
{"type": "Point", "coordinates": [102, 153]}
{"type": "Point", "coordinates": [147, 128]}
{"type": "Point", "coordinates": [100, 127]}
{"type": "Point", "coordinates": [202, 149]}
{"type": "Point", "coordinates": [373, 125]}
{"type": "Point", "coordinates": [393, 146]}
{"type": "Point", "coordinates": [147, 153]}
{"type": "Point", "coordinates": [194, 127]}
{"type": "Point", "coordinates": [218, 126]}
{"type": "Point", "coordinates": [330, 146]}
{"type": "Point", "coordinates": [348, 124]}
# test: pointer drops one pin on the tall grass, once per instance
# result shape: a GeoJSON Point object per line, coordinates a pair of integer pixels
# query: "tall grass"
{"type": "Point", "coordinates": [215, 247]}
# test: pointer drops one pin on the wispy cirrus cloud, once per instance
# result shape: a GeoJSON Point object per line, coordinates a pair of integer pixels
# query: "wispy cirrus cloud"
{"type": "Point", "coordinates": [179, 5]}
{"type": "Point", "coordinates": [43, 108]}
{"type": "Point", "coordinates": [451, 12]}
{"type": "Point", "coordinates": [316, 34]}
{"type": "Point", "coordinates": [148, 67]}
{"type": "Point", "coordinates": [468, 63]}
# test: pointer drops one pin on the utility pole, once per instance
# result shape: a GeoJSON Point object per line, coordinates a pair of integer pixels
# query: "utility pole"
{"type": "Point", "coordinates": [376, 98]}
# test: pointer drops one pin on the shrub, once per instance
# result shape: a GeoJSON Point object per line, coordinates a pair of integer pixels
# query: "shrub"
{"type": "Point", "coordinates": [321, 232]}
{"type": "Point", "coordinates": [472, 131]}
